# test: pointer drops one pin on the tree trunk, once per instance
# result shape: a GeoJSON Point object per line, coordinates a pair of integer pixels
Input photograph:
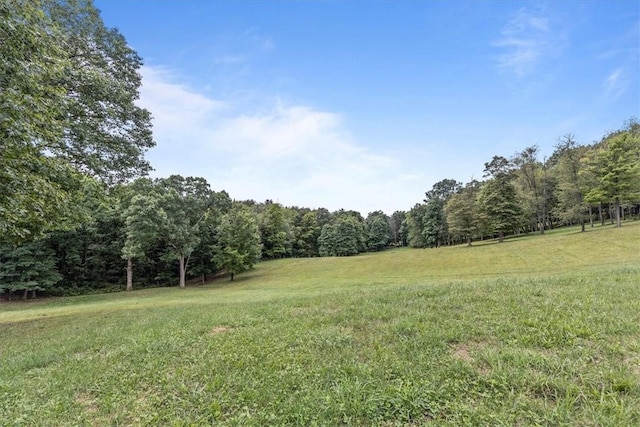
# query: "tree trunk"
{"type": "Point", "coordinates": [616, 206]}
{"type": "Point", "coordinates": [500, 237]}
{"type": "Point", "coordinates": [600, 214]}
{"type": "Point", "coordinates": [582, 224]}
{"type": "Point", "coordinates": [33, 294]}
{"type": "Point", "coordinates": [539, 224]}
{"type": "Point", "coordinates": [611, 214]}
{"type": "Point", "coordinates": [232, 276]}
{"type": "Point", "coordinates": [129, 274]}
{"type": "Point", "coordinates": [24, 295]}
{"type": "Point", "coordinates": [182, 272]}
{"type": "Point", "coordinates": [591, 216]}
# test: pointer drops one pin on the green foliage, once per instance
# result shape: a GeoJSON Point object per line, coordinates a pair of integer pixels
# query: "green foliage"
{"type": "Point", "coordinates": [238, 247]}
{"type": "Point", "coordinates": [615, 164]}
{"type": "Point", "coordinates": [106, 132]}
{"type": "Point", "coordinates": [307, 233]}
{"type": "Point", "coordinates": [415, 225]}
{"type": "Point", "coordinates": [142, 220]}
{"type": "Point", "coordinates": [201, 259]}
{"type": "Point", "coordinates": [442, 190]}
{"type": "Point", "coordinates": [434, 224]}
{"type": "Point", "coordinates": [89, 257]}
{"type": "Point", "coordinates": [547, 336]}
{"type": "Point", "coordinates": [534, 187]}
{"type": "Point", "coordinates": [425, 225]}
{"type": "Point", "coordinates": [571, 186]}
{"type": "Point", "coordinates": [28, 267]}
{"type": "Point", "coordinates": [36, 191]}
{"type": "Point", "coordinates": [499, 204]}
{"type": "Point", "coordinates": [343, 236]}
{"type": "Point", "coordinates": [396, 220]}
{"type": "Point", "coordinates": [274, 232]}
{"type": "Point", "coordinates": [464, 218]}
{"type": "Point", "coordinates": [68, 87]}
{"type": "Point", "coordinates": [170, 213]}
{"type": "Point", "coordinates": [378, 231]}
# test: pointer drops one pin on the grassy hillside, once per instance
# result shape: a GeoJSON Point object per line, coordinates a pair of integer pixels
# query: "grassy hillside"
{"type": "Point", "coordinates": [537, 330]}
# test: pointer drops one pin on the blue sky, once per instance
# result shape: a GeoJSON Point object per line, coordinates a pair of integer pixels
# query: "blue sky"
{"type": "Point", "coordinates": [364, 105]}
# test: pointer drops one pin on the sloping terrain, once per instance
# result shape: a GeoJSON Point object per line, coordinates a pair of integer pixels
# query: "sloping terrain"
{"type": "Point", "coordinates": [537, 330]}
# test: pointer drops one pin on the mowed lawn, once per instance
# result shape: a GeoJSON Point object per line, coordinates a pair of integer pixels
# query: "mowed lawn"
{"type": "Point", "coordinates": [539, 330]}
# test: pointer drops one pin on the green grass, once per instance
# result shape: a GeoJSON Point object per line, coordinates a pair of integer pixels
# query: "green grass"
{"type": "Point", "coordinates": [539, 330]}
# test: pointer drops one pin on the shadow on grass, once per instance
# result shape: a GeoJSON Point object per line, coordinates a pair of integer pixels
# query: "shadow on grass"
{"type": "Point", "coordinates": [224, 281]}
{"type": "Point", "coordinates": [565, 231]}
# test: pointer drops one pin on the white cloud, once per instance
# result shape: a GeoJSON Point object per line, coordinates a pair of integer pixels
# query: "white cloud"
{"type": "Point", "coordinates": [174, 107]}
{"type": "Point", "coordinates": [525, 40]}
{"type": "Point", "coordinates": [293, 154]}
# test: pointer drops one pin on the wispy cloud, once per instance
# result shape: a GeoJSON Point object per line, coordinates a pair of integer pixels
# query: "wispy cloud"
{"type": "Point", "coordinates": [615, 84]}
{"type": "Point", "coordinates": [620, 51]}
{"type": "Point", "coordinates": [525, 40]}
{"type": "Point", "coordinates": [294, 154]}
{"type": "Point", "coordinates": [259, 40]}
{"type": "Point", "coordinates": [236, 52]}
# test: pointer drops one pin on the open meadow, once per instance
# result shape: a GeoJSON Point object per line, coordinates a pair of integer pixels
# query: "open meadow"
{"type": "Point", "coordinates": [538, 330]}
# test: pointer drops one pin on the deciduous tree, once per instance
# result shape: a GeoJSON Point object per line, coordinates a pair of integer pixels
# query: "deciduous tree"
{"type": "Point", "coordinates": [395, 224]}
{"type": "Point", "coordinates": [415, 226]}
{"type": "Point", "coordinates": [106, 133]}
{"type": "Point", "coordinates": [68, 87]}
{"type": "Point", "coordinates": [570, 190]}
{"type": "Point", "coordinates": [378, 231]}
{"type": "Point", "coordinates": [274, 231]}
{"type": "Point", "coordinates": [464, 217]}
{"type": "Point", "coordinates": [343, 236]}
{"type": "Point", "coordinates": [238, 247]}
{"type": "Point", "coordinates": [532, 183]}
{"type": "Point", "coordinates": [616, 164]}
{"type": "Point", "coordinates": [498, 198]}
{"type": "Point", "coordinates": [29, 267]}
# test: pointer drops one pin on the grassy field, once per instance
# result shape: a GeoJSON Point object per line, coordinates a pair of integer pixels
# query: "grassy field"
{"type": "Point", "coordinates": [539, 330]}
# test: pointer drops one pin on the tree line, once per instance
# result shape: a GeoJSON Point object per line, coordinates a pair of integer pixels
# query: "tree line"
{"type": "Point", "coordinates": [577, 184]}
{"type": "Point", "coordinates": [77, 213]}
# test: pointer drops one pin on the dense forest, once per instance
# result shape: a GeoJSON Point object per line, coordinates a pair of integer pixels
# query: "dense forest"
{"type": "Point", "coordinates": [78, 214]}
